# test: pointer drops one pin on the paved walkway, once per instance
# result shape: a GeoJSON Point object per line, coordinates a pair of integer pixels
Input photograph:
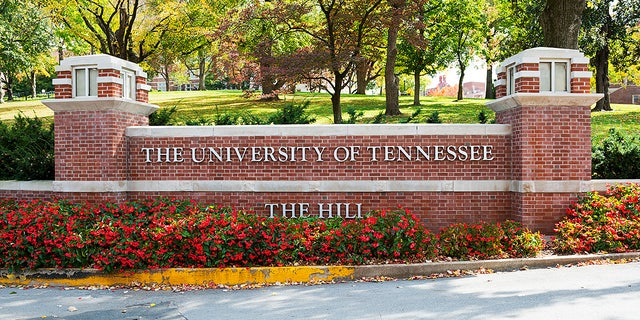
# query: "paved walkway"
{"type": "Point", "coordinates": [589, 292]}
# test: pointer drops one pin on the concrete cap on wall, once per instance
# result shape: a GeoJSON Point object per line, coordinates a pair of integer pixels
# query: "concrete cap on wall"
{"type": "Point", "coordinates": [534, 55]}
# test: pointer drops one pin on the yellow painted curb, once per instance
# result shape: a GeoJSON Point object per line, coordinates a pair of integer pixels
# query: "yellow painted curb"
{"type": "Point", "coordinates": [208, 277]}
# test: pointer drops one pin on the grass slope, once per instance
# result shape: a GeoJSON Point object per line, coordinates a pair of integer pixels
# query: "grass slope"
{"type": "Point", "coordinates": [205, 105]}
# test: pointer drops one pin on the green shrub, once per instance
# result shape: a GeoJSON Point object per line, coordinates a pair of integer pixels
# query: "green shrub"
{"type": "Point", "coordinates": [602, 223]}
{"type": "Point", "coordinates": [198, 121]}
{"type": "Point", "coordinates": [226, 119]}
{"type": "Point", "coordinates": [379, 118]}
{"type": "Point", "coordinates": [483, 117]}
{"type": "Point", "coordinates": [434, 118]}
{"type": "Point", "coordinates": [162, 117]}
{"type": "Point", "coordinates": [413, 117]}
{"type": "Point", "coordinates": [354, 115]}
{"type": "Point", "coordinates": [616, 157]}
{"type": "Point", "coordinates": [292, 114]}
{"type": "Point", "coordinates": [26, 150]}
{"type": "Point", "coordinates": [231, 118]}
{"type": "Point", "coordinates": [249, 118]}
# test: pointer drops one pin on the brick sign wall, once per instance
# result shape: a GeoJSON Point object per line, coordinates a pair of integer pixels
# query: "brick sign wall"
{"type": "Point", "coordinates": [527, 167]}
{"type": "Point", "coordinates": [440, 172]}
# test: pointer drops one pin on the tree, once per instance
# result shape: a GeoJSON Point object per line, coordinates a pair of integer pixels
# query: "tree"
{"type": "Point", "coordinates": [263, 33]}
{"type": "Point", "coordinates": [369, 66]}
{"type": "Point", "coordinates": [24, 37]}
{"type": "Point", "coordinates": [465, 31]}
{"type": "Point", "coordinates": [397, 12]}
{"type": "Point", "coordinates": [561, 21]}
{"type": "Point", "coordinates": [625, 59]}
{"type": "Point", "coordinates": [339, 31]}
{"type": "Point", "coordinates": [607, 24]}
{"type": "Point", "coordinates": [163, 63]}
{"type": "Point", "coordinates": [201, 41]}
{"type": "Point", "coordinates": [510, 27]}
{"type": "Point", "coordinates": [423, 46]}
{"type": "Point", "coordinates": [518, 27]}
{"type": "Point", "coordinates": [128, 29]}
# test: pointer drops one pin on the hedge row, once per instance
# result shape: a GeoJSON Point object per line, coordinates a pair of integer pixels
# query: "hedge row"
{"type": "Point", "coordinates": [165, 233]}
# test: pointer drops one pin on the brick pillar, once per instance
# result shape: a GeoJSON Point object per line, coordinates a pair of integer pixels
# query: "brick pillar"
{"type": "Point", "coordinates": [90, 141]}
{"type": "Point", "coordinates": [551, 135]}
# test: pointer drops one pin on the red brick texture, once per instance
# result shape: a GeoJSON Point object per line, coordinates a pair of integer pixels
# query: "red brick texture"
{"type": "Point", "coordinates": [578, 84]}
{"type": "Point", "coordinates": [501, 90]}
{"type": "Point", "coordinates": [91, 145]}
{"type": "Point", "coordinates": [550, 143]}
{"type": "Point", "coordinates": [527, 85]}
{"type": "Point", "coordinates": [541, 211]}
{"type": "Point", "coordinates": [63, 91]}
{"type": "Point", "coordinates": [527, 67]}
{"type": "Point", "coordinates": [435, 209]}
{"type": "Point", "coordinates": [80, 197]}
{"type": "Point", "coordinates": [142, 95]}
{"type": "Point", "coordinates": [329, 169]}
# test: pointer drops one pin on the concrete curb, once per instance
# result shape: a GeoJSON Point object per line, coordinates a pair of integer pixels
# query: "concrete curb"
{"type": "Point", "coordinates": [282, 275]}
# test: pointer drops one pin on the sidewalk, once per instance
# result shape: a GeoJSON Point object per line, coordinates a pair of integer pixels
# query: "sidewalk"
{"type": "Point", "coordinates": [283, 275]}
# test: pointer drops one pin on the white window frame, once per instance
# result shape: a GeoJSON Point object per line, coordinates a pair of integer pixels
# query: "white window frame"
{"type": "Point", "coordinates": [635, 99]}
{"type": "Point", "coordinates": [87, 83]}
{"type": "Point", "coordinates": [511, 79]}
{"type": "Point", "coordinates": [552, 74]}
{"type": "Point", "coordinates": [129, 85]}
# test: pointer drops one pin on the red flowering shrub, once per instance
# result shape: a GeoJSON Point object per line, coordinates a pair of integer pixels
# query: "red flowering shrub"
{"type": "Point", "coordinates": [172, 233]}
{"type": "Point", "coordinates": [602, 223]}
{"type": "Point", "coordinates": [488, 240]}
{"type": "Point", "coordinates": [165, 233]}
{"type": "Point", "coordinates": [380, 236]}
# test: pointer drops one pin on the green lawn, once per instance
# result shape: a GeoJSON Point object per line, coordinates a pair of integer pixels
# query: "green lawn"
{"type": "Point", "coordinates": [205, 105]}
{"type": "Point", "coordinates": [29, 108]}
{"type": "Point", "coordinates": [625, 117]}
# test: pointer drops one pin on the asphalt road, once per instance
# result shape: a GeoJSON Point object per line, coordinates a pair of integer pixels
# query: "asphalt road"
{"type": "Point", "coordinates": [589, 292]}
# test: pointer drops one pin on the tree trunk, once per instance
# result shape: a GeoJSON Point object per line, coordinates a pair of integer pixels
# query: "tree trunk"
{"type": "Point", "coordinates": [461, 82]}
{"type": "Point", "coordinates": [34, 91]}
{"type": "Point", "coordinates": [335, 97]}
{"type": "Point", "coordinates": [202, 69]}
{"type": "Point", "coordinates": [391, 85]}
{"type": "Point", "coordinates": [267, 85]}
{"type": "Point", "coordinates": [561, 21]}
{"type": "Point", "coordinates": [489, 93]}
{"type": "Point", "coordinates": [60, 53]}
{"type": "Point", "coordinates": [266, 79]}
{"type": "Point", "coordinates": [9, 87]}
{"type": "Point", "coordinates": [601, 62]}
{"type": "Point", "coordinates": [362, 75]}
{"type": "Point", "coordinates": [1, 87]}
{"type": "Point", "coordinates": [416, 88]}
{"type": "Point", "coordinates": [165, 75]}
